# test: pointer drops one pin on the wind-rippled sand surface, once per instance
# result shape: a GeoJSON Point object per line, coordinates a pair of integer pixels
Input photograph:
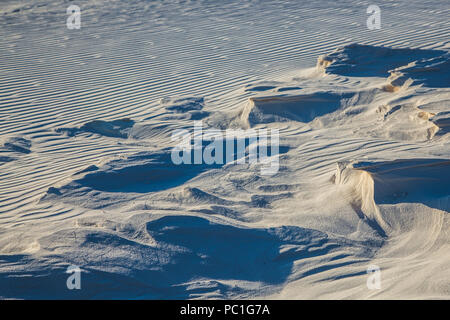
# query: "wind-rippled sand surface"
{"type": "Point", "coordinates": [86, 177]}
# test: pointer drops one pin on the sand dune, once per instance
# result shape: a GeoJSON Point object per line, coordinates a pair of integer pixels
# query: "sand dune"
{"type": "Point", "coordinates": [358, 60]}
{"type": "Point", "coordinates": [86, 176]}
{"type": "Point", "coordinates": [400, 181]}
{"type": "Point", "coordinates": [298, 108]}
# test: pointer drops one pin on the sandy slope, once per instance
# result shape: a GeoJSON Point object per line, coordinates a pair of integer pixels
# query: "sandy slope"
{"type": "Point", "coordinates": [86, 178]}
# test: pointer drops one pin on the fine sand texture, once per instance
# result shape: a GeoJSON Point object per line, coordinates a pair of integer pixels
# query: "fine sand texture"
{"type": "Point", "coordinates": [87, 176]}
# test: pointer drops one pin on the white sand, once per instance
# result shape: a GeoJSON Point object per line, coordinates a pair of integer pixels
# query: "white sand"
{"type": "Point", "coordinates": [86, 178]}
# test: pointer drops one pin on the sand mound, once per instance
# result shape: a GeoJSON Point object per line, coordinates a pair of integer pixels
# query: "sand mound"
{"type": "Point", "coordinates": [403, 67]}
{"type": "Point", "coordinates": [186, 108]}
{"type": "Point", "coordinates": [181, 105]}
{"type": "Point", "coordinates": [116, 128]}
{"type": "Point", "coordinates": [6, 159]}
{"type": "Point", "coordinates": [143, 172]}
{"type": "Point", "coordinates": [372, 184]}
{"type": "Point", "coordinates": [17, 144]}
{"type": "Point", "coordinates": [433, 72]}
{"type": "Point", "coordinates": [235, 260]}
{"type": "Point", "coordinates": [406, 123]}
{"type": "Point", "coordinates": [358, 60]}
{"type": "Point", "coordinates": [302, 108]}
{"type": "Point", "coordinates": [442, 121]}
